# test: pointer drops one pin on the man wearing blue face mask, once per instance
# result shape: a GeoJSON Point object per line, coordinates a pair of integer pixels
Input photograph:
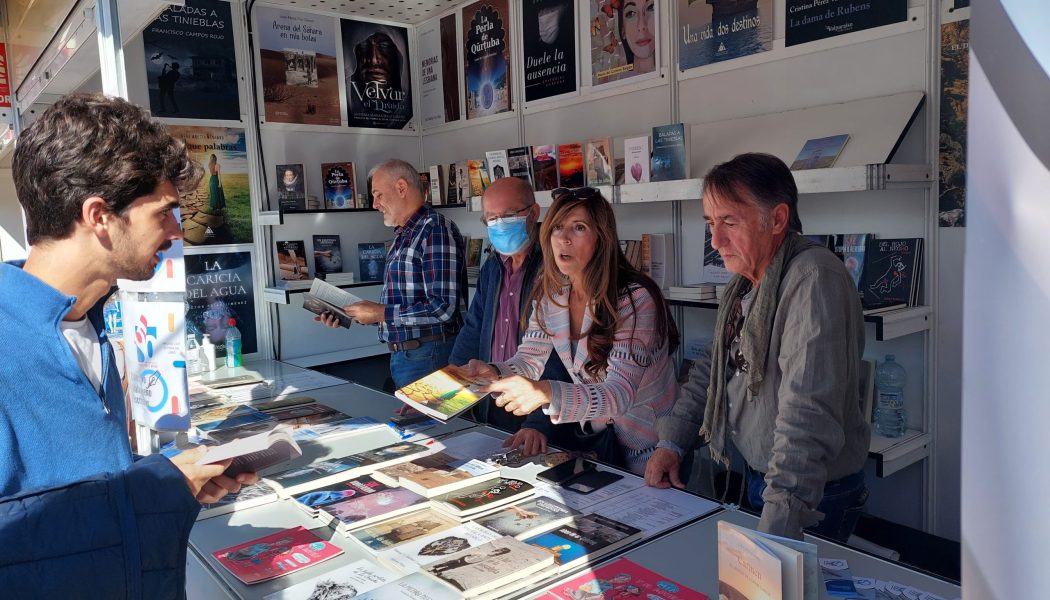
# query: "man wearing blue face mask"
{"type": "Point", "coordinates": [492, 331]}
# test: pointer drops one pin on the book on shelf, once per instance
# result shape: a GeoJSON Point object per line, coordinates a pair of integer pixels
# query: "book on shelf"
{"type": "Point", "coordinates": [585, 539]}
{"type": "Point", "coordinates": [484, 497]}
{"type": "Point", "coordinates": [670, 161]}
{"type": "Point", "coordinates": [437, 474]}
{"type": "Point", "coordinates": [475, 171]}
{"type": "Point", "coordinates": [528, 518]}
{"type": "Point", "coordinates": [636, 159]}
{"type": "Point", "coordinates": [249, 496]}
{"type": "Point", "coordinates": [410, 556]}
{"type": "Point", "coordinates": [570, 165]}
{"type": "Point", "coordinates": [339, 183]}
{"type": "Point", "coordinates": [519, 161]}
{"type": "Point", "coordinates": [658, 257]}
{"type": "Point", "coordinates": [463, 181]}
{"type": "Point", "coordinates": [714, 268]}
{"type": "Point", "coordinates": [443, 394]}
{"type": "Point", "coordinates": [599, 163]}
{"type": "Point", "coordinates": [752, 564]}
{"type": "Point", "coordinates": [474, 248]}
{"type": "Point", "coordinates": [820, 153]}
{"type": "Point", "coordinates": [851, 249]}
{"type": "Point", "coordinates": [822, 239]}
{"type": "Point", "coordinates": [892, 272]}
{"type": "Point", "coordinates": [291, 187]}
{"type": "Point", "coordinates": [622, 578]}
{"type": "Point", "coordinates": [693, 291]}
{"type": "Point", "coordinates": [395, 531]}
{"type": "Point", "coordinates": [878, 310]}
{"type": "Point", "coordinates": [372, 502]}
{"type": "Point", "coordinates": [320, 473]}
{"type": "Point", "coordinates": [498, 165]}
{"type": "Point", "coordinates": [328, 255]}
{"type": "Point", "coordinates": [254, 453]}
{"type": "Point", "coordinates": [451, 184]}
{"type": "Point", "coordinates": [545, 167]}
{"type": "Point", "coordinates": [324, 297]}
{"type": "Point", "coordinates": [291, 260]}
{"type": "Point", "coordinates": [349, 581]}
{"type": "Point", "coordinates": [276, 555]}
{"type": "Point", "coordinates": [501, 563]}
{"type": "Point", "coordinates": [424, 184]}
{"type": "Point", "coordinates": [415, 586]}
{"type": "Point", "coordinates": [438, 185]}
{"type": "Point", "coordinates": [371, 259]}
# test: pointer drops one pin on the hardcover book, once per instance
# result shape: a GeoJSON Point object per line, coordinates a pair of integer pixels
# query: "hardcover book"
{"type": "Point", "coordinates": [528, 518]}
{"type": "Point", "coordinates": [291, 260]}
{"type": "Point", "coordinates": [443, 394]}
{"type": "Point", "coordinates": [291, 187]}
{"type": "Point", "coordinates": [498, 165]}
{"type": "Point", "coordinates": [437, 185]}
{"type": "Point", "coordinates": [622, 578]}
{"type": "Point", "coordinates": [545, 167]}
{"type": "Point", "coordinates": [332, 470]}
{"type": "Point", "coordinates": [399, 530]}
{"type": "Point", "coordinates": [598, 158]}
{"type": "Point", "coordinates": [519, 161]}
{"type": "Point", "coordinates": [820, 153]}
{"type": "Point", "coordinates": [892, 268]}
{"type": "Point", "coordinates": [570, 165]}
{"type": "Point", "coordinates": [371, 258]}
{"type": "Point", "coordinates": [670, 160]}
{"type": "Point", "coordinates": [328, 255]}
{"type": "Point", "coordinates": [585, 539]}
{"type": "Point", "coordinates": [438, 474]}
{"type": "Point", "coordinates": [484, 497]}
{"type": "Point", "coordinates": [276, 555]}
{"type": "Point", "coordinates": [412, 555]}
{"type": "Point", "coordinates": [495, 564]}
{"type": "Point", "coordinates": [338, 181]}
{"type": "Point", "coordinates": [346, 582]}
{"type": "Point", "coordinates": [636, 160]}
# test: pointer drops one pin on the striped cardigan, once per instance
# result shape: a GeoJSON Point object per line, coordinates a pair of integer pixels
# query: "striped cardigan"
{"type": "Point", "coordinates": [637, 387]}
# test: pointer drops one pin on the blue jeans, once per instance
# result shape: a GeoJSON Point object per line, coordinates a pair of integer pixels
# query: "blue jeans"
{"type": "Point", "coordinates": [842, 502]}
{"type": "Point", "coordinates": [409, 365]}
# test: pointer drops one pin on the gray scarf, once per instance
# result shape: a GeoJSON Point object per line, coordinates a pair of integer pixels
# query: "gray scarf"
{"type": "Point", "coordinates": [754, 341]}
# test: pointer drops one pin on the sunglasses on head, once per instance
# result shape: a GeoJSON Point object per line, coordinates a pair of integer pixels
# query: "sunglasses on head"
{"type": "Point", "coordinates": [583, 193]}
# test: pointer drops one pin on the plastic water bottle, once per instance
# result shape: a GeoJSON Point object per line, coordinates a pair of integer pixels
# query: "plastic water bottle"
{"type": "Point", "coordinates": [233, 345]}
{"type": "Point", "coordinates": [889, 418]}
{"type": "Point", "coordinates": [193, 356]}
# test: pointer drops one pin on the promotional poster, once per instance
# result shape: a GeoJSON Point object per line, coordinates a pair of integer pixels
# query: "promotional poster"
{"type": "Point", "coordinates": [219, 288]}
{"type": "Point", "coordinates": [219, 211]}
{"type": "Point", "coordinates": [710, 32]}
{"type": "Point", "coordinates": [549, 38]}
{"type": "Point", "coordinates": [450, 67]}
{"type": "Point", "coordinates": [155, 358]}
{"type": "Point", "coordinates": [624, 40]}
{"type": "Point", "coordinates": [431, 93]}
{"type": "Point", "coordinates": [300, 78]}
{"type": "Point", "coordinates": [811, 20]}
{"type": "Point", "coordinates": [378, 75]}
{"type": "Point", "coordinates": [486, 55]}
{"type": "Point", "coordinates": [191, 67]}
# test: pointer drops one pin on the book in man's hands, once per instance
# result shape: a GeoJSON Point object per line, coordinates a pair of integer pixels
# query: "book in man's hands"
{"type": "Point", "coordinates": [254, 453]}
{"type": "Point", "coordinates": [324, 297]}
{"type": "Point", "coordinates": [276, 555]}
{"type": "Point", "coordinates": [499, 563]}
{"type": "Point", "coordinates": [443, 394]}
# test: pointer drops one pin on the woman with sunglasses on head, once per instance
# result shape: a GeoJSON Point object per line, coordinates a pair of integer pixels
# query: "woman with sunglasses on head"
{"type": "Point", "coordinates": [609, 325]}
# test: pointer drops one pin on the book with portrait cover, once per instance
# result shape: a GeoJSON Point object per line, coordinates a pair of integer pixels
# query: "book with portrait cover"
{"type": "Point", "coordinates": [371, 259]}
{"type": "Point", "coordinates": [624, 39]}
{"type": "Point", "coordinates": [276, 555]}
{"type": "Point", "coordinates": [670, 160]}
{"type": "Point", "coordinates": [339, 182]}
{"type": "Point", "coordinates": [219, 287]}
{"type": "Point", "coordinates": [851, 248]}
{"type": "Point", "coordinates": [585, 539]}
{"type": "Point", "coordinates": [379, 74]}
{"type": "Point", "coordinates": [395, 531]}
{"type": "Point", "coordinates": [486, 57]}
{"type": "Point", "coordinates": [328, 255]}
{"type": "Point", "coordinates": [359, 502]}
{"type": "Point", "coordinates": [620, 578]}
{"type": "Point", "coordinates": [519, 161]}
{"type": "Point", "coordinates": [291, 187]}
{"type": "Point", "coordinates": [545, 167]}
{"type": "Point", "coordinates": [528, 518]}
{"type": "Point", "coordinates": [820, 153]}
{"type": "Point", "coordinates": [636, 159]}
{"type": "Point", "coordinates": [570, 165]}
{"type": "Point", "coordinates": [548, 29]}
{"type": "Point", "coordinates": [291, 260]}
{"type": "Point", "coordinates": [463, 184]}
{"type": "Point", "coordinates": [599, 163]}
{"type": "Point", "coordinates": [501, 563]}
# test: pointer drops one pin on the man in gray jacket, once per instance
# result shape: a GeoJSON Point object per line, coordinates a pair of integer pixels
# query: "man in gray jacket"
{"type": "Point", "coordinates": [782, 372]}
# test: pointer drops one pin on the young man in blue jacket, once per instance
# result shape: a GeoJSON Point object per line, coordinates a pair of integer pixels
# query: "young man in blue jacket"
{"type": "Point", "coordinates": [492, 329]}
{"type": "Point", "coordinates": [80, 516]}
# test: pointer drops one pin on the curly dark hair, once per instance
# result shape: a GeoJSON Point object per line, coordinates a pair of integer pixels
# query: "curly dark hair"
{"type": "Point", "coordinates": [89, 145]}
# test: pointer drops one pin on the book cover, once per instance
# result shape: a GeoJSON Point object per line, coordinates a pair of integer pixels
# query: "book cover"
{"type": "Point", "coordinates": [475, 169]}
{"type": "Point", "coordinates": [474, 248]}
{"type": "Point", "coordinates": [487, 57]}
{"type": "Point", "coordinates": [636, 159]}
{"type": "Point", "coordinates": [850, 247]}
{"type": "Point", "coordinates": [485, 496]}
{"type": "Point", "coordinates": [296, 418]}
{"type": "Point", "coordinates": [710, 32]}
{"type": "Point", "coordinates": [368, 507]}
{"type": "Point", "coordinates": [521, 520]}
{"type": "Point", "coordinates": [519, 161]}
{"type": "Point", "coordinates": [443, 394]}
{"type": "Point", "coordinates": [714, 268]}
{"type": "Point", "coordinates": [438, 473]}
{"type": "Point", "coordinates": [489, 566]}
{"type": "Point", "coordinates": [291, 187]}
{"type": "Point", "coordinates": [276, 555]}
{"type": "Point", "coordinates": [371, 258]}
{"type": "Point", "coordinates": [452, 185]}
{"type": "Point", "coordinates": [619, 52]}
{"type": "Point", "coordinates": [746, 568]}
{"type": "Point", "coordinates": [658, 257]}
{"type": "Point", "coordinates": [424, 182]}
{"type": "Point", "coordinates": [548, 30]}
{"type": "Point", "coordinates": [330, 470]}
{"type": "Point", "coordinates": [545, 167]}
{"type": "Point", "coordinates": [623, 578]}
{"type": "Point", "coordinates": [415, 586]}
{"type": "Point", "coordinates": [670, 160]}
{"type": "Point", "coordinates": [498, 167]}
{"type": "Point", "coordinates": [891, 269]}
{"type": "Point", "coordinates": [338, 492]}
{"type": "Point", "coordinates": [570, 165]}
{"type": "Point", "coordinates": [820, 153]}
{"type": "Point", "coordinates": [378, 74]}
{"type": "Point", "coordinates": [250, 495]}
{"type": "Point", "coordinates": [809, 21]}
{"type": "Point", "coordinates": [345, 582]}
{"type": "Point", "coordinates": [219, 211]}
{"type": "Point", "coordinates": [398, 530]}
{"type": "Point", "coordinates": [463, 181]}
{"type": "Point", "coordinates": [598, 158]}
{"type": "Point", "coordinates": [437, 185]}
{"type": "Point", "coordinates": [328, 255]}
{"type": "Point", "coordinates": [410, 556]}
{"type": "Point", "coordinates": [254, 453]}
{"type": "Point", "coordinates": [585, 539]}
{"type": "Point", "coordinates": [338, 181]}
{"type": "Point", "coordinates": [291, 260]}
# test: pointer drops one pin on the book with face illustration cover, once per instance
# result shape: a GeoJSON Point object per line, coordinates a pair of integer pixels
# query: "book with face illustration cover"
{"type": "Point", "coordinates": [495, 564]}
{"type": "Point", "coordinates": [528, 518]}
{"type": "Point", "coordinates": [411, 556]}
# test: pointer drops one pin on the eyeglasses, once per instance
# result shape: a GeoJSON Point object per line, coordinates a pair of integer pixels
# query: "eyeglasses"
{"type": "Point", "coordinates": [493, 221]}
{"type": "Point", "coordinates": [583, 193]}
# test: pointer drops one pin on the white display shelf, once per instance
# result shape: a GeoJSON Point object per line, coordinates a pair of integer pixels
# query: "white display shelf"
{"type": "Point", "coordinates": [904, 321]}
{"type": "Point", "coordinates": [893, 454]}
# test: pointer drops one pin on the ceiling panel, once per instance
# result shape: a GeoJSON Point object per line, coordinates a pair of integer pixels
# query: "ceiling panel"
{"type": "Point", "coordinates": [401, 11]}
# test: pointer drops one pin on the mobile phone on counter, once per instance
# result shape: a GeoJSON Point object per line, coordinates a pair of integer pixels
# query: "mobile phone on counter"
{"type": "Point", "coordinates": [566, 471]}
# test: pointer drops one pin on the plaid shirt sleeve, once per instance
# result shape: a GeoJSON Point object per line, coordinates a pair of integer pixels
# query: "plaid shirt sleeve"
{"type": "Point", "coordinates": [438, 278]}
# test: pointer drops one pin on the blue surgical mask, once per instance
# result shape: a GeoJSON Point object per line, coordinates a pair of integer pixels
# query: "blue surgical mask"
{"type": "Point", "coordinates": [509, 235]}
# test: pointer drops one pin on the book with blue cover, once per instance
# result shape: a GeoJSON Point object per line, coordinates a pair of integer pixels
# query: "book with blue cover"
{"type": "Point", "coordinates": [371, 258]}
{"type": "Point", "coordinates": [339, 184]}
{"type": "Point", "coordinates": [328, 255]}
{"type": "Point", "coordinates": [670, 159]}
{"type": "Point", "coordinates": [820, 153]}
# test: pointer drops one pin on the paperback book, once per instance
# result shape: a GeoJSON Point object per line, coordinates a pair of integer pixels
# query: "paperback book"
{"type": "Point", "coordinates": [636, 159]}
{"type": "Point", "coordinates": [291, 187]}
{"type": "Point", "coordinates": [276, 555]}
{"type": "Point", "coordinates": [528, 518]}
{"type": "Point", "coordinates": [443, 394]}
{"type": "Point", "coordinates": [249, 496]}
{"type": "Point", "coordinates": [463, 181]}
{"type": "Point", "coordinates": [570, 165]}
{"type": "Point", "coordinates": [752, 564]}
{"type": "Point", "coordinates": [495, 564]}
{"type": "Point", "coordinates": [498, 165]}
{"type": "Point", "coordinates": [622, 579]}
{"type": "Point", "coordinates": [332, 470]}
{"type": "Point", "coordinates": [328, 255]}
{"type": "Point", "coordinates": [424, 182]}
{"type": "Point", "coordinates": [598, 159]}
{"type": "Point", "coordinates": [519, 161]}
{"type": "Point", "coordinates": [291, 260]}
{"type": "Point", "coordinates": [892, 271]}
{"type": "Point", "coordinates": [820, 153]}
{"type": "Point", "coordinates": [545, 167]}
{"type": "Point", "coordinates": [475, 173]}
{"type": "Point", "coordinates": [484, 497]}
{"type": "Point", "coordinates": [438, 474]}
{"type": "Point", "coordinates": [452, 185]}
{"type": "Point", "coordinates": [670, 160]}
{"type": "Point", "coordinates": [254, 453]}
{"type": "Point", "coordinates": [714, 269]}
{"type": "Point", "coordinates": [410, 556]}
{"type": "Point", "coordinates": [851, 248]}
{"type": "Point", "coordinates": [346, 582]}
{"type": "Point", "coordinates": [373, 502]}
{"type": "Point", "coordinates": [324, 297]}
{"type": "Point", "coordinates": [437, 185]}
{"type": "Point", "coordinates": [585, 539]}
{"type": "Point", "coordinates": [371, 258]}
{"type": "Point", "coordinates": [393, 532]}
{"type": "Point", "coordinates": [415, 586]}
{"type": "Point", "coordinates": [226, 416]}
{"type": "Point", "coordinates": [338, 181]}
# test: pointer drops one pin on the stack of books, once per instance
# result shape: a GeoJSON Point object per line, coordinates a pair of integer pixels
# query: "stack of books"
{"type": "Point", "coordinates": [696, 292]}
